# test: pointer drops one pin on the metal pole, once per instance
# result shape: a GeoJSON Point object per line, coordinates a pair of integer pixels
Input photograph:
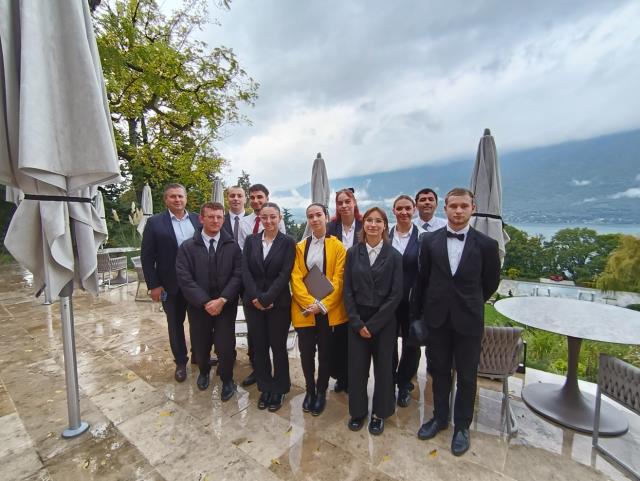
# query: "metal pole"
{"type": "Point", "coordinates": [76, 426]}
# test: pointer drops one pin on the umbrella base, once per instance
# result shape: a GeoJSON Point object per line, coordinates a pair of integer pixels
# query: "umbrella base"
{"type": "Point", "coordinates": [72, 433]}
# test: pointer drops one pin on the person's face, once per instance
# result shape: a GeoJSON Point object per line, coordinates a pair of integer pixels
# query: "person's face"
{"type": "Point", "coordinates": [175, 200]}
{"type": "Point", "coordinates": [257, 199]}
{"type": "Point", "coordinates": [459, 209]}
{"type": "Point", "coordinates": [317, 220]}
{"type": "Point", "coordinates": [212, 221]}
{"type": "Point", "coordinates": [236, 200]}
{"type": "Point", "coordinates": [345, 206]}
{"type": "Point", "coordinates": [403, 210]}
{"type": "Point", "coordinates": [426, 205]}
{"type": "Point", "coordinates": [270, 218]}
{"type": "Point", "coordinates": [374, 225]}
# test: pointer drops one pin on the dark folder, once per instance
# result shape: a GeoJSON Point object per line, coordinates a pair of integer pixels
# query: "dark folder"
{"type": "Point", "coordinates": [317, 283]}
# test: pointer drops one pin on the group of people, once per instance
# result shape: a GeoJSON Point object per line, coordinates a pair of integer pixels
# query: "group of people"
{"type": "Point", "coordinates": [425, 277]}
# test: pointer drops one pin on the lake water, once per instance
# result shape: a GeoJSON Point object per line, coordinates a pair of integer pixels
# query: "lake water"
{"type": "Point", "coordinates": [548, 230]}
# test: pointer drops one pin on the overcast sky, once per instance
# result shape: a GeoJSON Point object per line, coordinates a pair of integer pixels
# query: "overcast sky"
{"type": "Point", "coordinates": [379, 85]}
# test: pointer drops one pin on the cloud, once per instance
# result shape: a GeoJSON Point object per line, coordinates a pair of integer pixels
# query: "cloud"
{"type": "Point", "coordinates": [638, 177]}
{"type": "Point", "coordinates": [580, 183]}
{"type": "Point", "coordinates": [632, 193]}
{"type": "Point", "coordinates": [589, 199]}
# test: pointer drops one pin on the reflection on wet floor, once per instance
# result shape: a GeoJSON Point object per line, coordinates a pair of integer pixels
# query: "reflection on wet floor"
{"type": "Point", "coordinates": [145, 426]}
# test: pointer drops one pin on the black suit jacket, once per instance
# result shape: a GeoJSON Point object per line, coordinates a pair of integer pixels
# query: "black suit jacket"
{"type": "Point", "coordinates": [440, 296]}
{"type": "Point", "coordinates": [409, 262]}
{"type": "Point", "coordinates": [378, 285]}
{"type": "Point", "coordinates": [334, 228]}
{"type": "Point", "coordinates": [159, 250]}
{"type": "Point", "coordinates": [193, 270]}
{"type": "Point", "coordinates": [268, 280]}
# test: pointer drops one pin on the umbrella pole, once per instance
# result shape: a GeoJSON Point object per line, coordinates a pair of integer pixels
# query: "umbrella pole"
{"type": "Point", "coordinates": [76, 426]}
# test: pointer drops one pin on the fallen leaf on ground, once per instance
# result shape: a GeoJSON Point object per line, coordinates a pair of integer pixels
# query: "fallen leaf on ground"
{"type": "Point", "coordinates": [433, 453]}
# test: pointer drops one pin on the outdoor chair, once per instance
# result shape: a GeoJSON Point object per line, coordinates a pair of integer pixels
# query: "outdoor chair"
{"type": "Point", "coordinates": [620, 382]}
{"type": "Point", "coordinates": [137, 265]}
{"type": "Point", "coordinates": [499, 359]}
{"type": "Point", "coordinates": [107, 265]}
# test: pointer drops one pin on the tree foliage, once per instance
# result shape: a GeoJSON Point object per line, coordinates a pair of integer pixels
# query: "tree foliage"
{"type": "Point", "coordinates": [622, 271]}
{"type": "Point", "coordinates": [170, 95]}
{"type": "Point", "coordinates": [525, 255]}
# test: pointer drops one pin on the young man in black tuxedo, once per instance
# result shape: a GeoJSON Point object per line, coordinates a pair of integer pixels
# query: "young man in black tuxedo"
{"type": "Point", "coordinates": [459, 269]}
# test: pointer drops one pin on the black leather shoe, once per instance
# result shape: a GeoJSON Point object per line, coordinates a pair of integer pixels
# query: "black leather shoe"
{"type": "Point", "coordinates": [203, 381]}
{"type": "Point", "coordinates": [228, 388]}
{"type": "Point", "coordinates": [410, 387]}
{"type": "Point", "coordinates": [376, 426]}
{"type": "Point", "coordinates": [319, 404]}
{"type": "Point", "coordinates": [340, 386]}
{"type": "Point", "coordinates": [276, 402]}
{"type": "Point", "coordinates": [249, 380]}
{"type": "Point", "coordinates": [355, 424]}
{"type": "Point", "coordinates": [309, 400]}
{"type": "Point", "coordinates": [461, 442]}
{"type": "Point", "coordinates": [264, 400]}
{"type": "Point", "coordinates": [403, 398]}
{"type": "Point", "coordinates": [181, 372]}
{"type": "Point", "coordinates": [429, 429]}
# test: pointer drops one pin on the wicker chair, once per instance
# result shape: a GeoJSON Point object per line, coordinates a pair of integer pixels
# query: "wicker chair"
{"type": "Point", "coordinates": [107, 265]}
{"type": "Point", "coordinates": [620, 382]}
{"type": "Point", "coordinates": [499, 359]}
{"type": "Point", "coordinates": [137, 264]}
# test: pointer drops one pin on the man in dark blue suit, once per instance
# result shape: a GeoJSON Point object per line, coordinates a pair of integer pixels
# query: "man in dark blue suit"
{"type": "Point", "coordinates": [163, 234]}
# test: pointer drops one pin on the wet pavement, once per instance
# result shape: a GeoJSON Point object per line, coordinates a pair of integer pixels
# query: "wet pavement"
{"type": "Point", "coordinates": [145, 426]}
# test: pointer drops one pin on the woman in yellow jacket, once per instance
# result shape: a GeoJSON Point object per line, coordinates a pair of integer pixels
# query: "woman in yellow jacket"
{"type": "Point", "coordinates": [314, 318]}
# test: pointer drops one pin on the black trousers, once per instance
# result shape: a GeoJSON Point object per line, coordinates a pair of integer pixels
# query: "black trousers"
{"type": "Point", "coordinates": [308, 339]}
{"type": "Point", "coordinates": [406, 367]}
{"type": "Point", "coordinates": [269, 331]}
{"type": "Point", "coordinates": [339, 353]}
{"type": "Point", "coordinates": [175, 308]}
{"type": "Point", "coordinates": [361, 352]}
{"type": "Point", "coordinates": [207, 330]}
{"type": "Point", "coordinates": [445, 345]}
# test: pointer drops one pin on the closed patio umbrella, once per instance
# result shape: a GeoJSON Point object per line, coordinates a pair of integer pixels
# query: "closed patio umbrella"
{"type": "Point", "coordinates": [486, 185]}
{"type": "Point", "coordinates": [320, 189]}
{"type": "Point", "coordinates": [147, 207]}
{"type": "Point", "coordinates": [101, 214]}
{"type": "Point", "coordinates": [13, 195]}
{"type": "Point", "coordinates": [56, 142]}
{"type": "Point", "coordinates": [217, 193]}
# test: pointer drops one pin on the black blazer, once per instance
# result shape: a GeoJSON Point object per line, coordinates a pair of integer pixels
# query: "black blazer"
{"type": "Point", "coordinates": [409, 262]}
{"type": "Point", "coordinates": [440, 296]}
{"type": "Point", "coordinates": [268, 280]}
{"type": "Point", "coordinates": [159, 250]}
{"type": "Point", "coordinates": [193, 270]}
{"type": "Point", "coordinates": [378, 285]}
{"type": "Point", "coordinates": [334, 228]}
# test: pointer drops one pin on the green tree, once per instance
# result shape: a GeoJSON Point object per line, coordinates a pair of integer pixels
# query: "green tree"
{"type": "Point", "coordinates": [581, 252]}
{"type": "Point", "coordinates": [245, 183]}
{"type": "Point", "coordinates": [525, 254]}
{"type": "Point", "coordinates": [622, 271]}
{"type": "Point", "coordinates": [170, 95]}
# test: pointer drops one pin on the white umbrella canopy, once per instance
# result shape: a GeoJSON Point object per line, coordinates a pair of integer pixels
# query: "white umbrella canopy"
{"type": "Point", "coordinates": [217, 193]}
{"type": "Point", "coordinates": [101, 213]}
{"type": "Point", "coordinates": [486, 185]}
{"type": "Point", "coordinates": [320, 190]}
{"type": "Point", "coordinates": [147, 207]}
{"type": "Point", "coordinates": [56, 138]}
{"type": "Point", "coordinates": [13, 195]}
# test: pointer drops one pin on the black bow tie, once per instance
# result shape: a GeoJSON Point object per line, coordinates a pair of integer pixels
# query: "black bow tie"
{"type": "Point", "coordinates": [460, 237]}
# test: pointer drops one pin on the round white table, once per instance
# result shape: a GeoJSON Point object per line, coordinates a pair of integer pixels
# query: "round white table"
{"type": "Point", "coordinates": [577, 320]}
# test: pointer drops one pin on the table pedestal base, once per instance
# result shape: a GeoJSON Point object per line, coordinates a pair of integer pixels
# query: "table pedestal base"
{"type": "Point", "coordinates": [573, 409]}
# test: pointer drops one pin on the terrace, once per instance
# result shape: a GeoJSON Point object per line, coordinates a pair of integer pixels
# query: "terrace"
{"type": "Point", "coordinates": [145, 426]}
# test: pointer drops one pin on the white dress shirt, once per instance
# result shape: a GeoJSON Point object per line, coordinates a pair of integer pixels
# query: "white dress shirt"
{"type": "Point", "coordinates": [246, 228]}
{"type": "Point", "coordinates": [183, 228]}
{"type": "Point", "coordinates": [374, 252]}
{"type": "Point", "coordinates": [315, 255]}
{"type": "Point", "coordinates": [434, 224]}
{"type": "Point", "coordinates": [232, 220]}
{"type": "Point", "coordinates": [347, 234]}
{"type": "Point", "coordinates": [206, 239]}
{"type": "Point", "coordinates": [266, 246]}
{"type": "Point", "coordinates": [455, 248]}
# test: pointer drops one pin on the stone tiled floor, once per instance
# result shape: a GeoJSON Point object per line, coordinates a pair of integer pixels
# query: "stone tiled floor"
{"type": "Point", "coordinates": [145, 426]}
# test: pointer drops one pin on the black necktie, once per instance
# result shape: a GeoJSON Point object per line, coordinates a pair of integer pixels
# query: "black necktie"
{"type": "Point", "coordinates": [236, 225]}
{"type": "Point", "coordinates": [212, 250]}
{"type": "Point", "coordinates": [460, 237]}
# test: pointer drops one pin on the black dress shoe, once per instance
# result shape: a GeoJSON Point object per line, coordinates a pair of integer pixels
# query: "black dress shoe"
{"type": "Point", "coordinates": [403, 398]}
{"type": "Point", "coordinates": [309, 400]}
{"type": "Point", "coordinates": [228, 388]}
{"type": "Point", "coordinates": [265, 399]}
{"type": "Point", "coordinates": [340, 386]}
{"type": "Point", "coordinates": [461, 442]}
{"type": "Point", "coordinates": [355, 424]}
{"type": "Point", "coordinates": [276, 402]}
{"type": "Point", "coordinates": [181, 372]}
{"type": "Point", "coordinates": [319, 404]}
{"type": "Point", "coordinates": [429, 429]}
{"type": "Point", "coordinates": [249, 380]}
{"type": "Point", "coordinates": [376, 426]}
{"type": "Point", "coordinates": [203, 381]}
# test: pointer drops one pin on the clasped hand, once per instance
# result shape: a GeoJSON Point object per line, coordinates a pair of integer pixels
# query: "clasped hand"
{"type": "Point", "coordinates": [259, 306]}
{"type": "Point", "coordinates": [214, 307]}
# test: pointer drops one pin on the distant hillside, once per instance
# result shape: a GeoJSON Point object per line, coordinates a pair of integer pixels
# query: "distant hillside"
{"type": "Point", "coordinates": [595, 181]}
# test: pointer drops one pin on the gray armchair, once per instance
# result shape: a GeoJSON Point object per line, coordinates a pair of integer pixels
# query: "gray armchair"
{"type": "Point", "coordinates": [137, 265]}
{"type": "Point", "coordinates": [620, 382]}
{"type": "Point", "coordinates": [107, 265]}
